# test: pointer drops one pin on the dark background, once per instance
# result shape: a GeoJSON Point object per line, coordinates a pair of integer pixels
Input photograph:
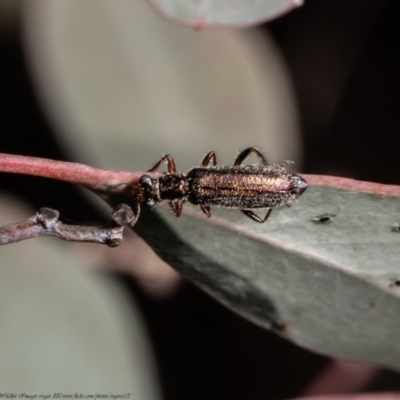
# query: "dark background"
{"type": "Point", "coordinates": [344, 58]}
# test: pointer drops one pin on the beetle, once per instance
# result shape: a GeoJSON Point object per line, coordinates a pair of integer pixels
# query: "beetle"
{"type": "Point", "coordinates": [244, 187]}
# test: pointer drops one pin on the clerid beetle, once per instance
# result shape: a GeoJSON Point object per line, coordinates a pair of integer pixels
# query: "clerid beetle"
{"type": "Point", "coordinates": [244, 187]}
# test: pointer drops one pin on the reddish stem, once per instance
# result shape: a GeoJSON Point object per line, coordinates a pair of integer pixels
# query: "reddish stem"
{"type": "Point", "coordinates": [114, 181]}
{"type": "Point", "coordinates": [93, 178]}
{"type": "Point", "coordinates": [351, 184]}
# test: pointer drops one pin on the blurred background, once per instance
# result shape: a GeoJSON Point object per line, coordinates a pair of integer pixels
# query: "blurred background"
{"type": "Point", "coordinates": [111, 84]}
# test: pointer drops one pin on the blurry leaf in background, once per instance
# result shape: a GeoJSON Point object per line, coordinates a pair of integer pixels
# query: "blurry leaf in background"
{"type": "Point", "coordinates": [123, 86]}
{"type": "Point", "coordinates": [63, 329]}
{"type": "Point", "coordinates": [200, 14]}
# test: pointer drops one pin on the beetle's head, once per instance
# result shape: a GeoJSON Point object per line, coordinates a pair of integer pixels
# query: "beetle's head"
{"type": "Point", "coordinates": [151, 192]}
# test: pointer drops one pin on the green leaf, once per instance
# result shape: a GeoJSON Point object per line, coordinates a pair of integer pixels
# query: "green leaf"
{"type": "Point", "coordinates": [321, 273]}
{"type": "Point", "coordinates": [203, 13]}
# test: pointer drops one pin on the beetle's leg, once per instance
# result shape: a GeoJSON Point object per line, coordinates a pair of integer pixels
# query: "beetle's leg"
{"type": "Point", "coordinates": [136, 213]}
{"type": "Point", "coordinates": [176, 206]}
{"type": "Point", "coordinates": [255, 217]}
{"type": "Point", "coordinates": [210, 156]}
{"type": "Point", "coordinates": [170, 164]}
{"type": "Point", "coordinates": [246, 152]}
{"type": "Point", "coordinates": [206, 210]}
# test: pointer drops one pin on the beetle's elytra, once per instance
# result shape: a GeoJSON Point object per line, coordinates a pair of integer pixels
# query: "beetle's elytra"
{"type": "Point", "coordinates": [245, 187]}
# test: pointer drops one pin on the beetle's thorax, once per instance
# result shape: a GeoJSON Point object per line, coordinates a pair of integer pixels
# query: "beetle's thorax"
{"type": "Point", "coordinates": [172, 186]}
{"type": "Point", "coordinates": [166, 187]}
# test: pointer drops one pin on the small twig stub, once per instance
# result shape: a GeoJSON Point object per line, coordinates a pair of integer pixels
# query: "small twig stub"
{"type": "Point", "coordinates": [46, 222]}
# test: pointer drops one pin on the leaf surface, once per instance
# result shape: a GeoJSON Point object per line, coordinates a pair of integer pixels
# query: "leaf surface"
{"type": "Point", "coordinates": [322, 273]}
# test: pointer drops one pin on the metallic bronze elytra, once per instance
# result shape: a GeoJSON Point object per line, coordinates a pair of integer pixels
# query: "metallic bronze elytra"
{"type": "Point", "coordinates": [245, 187]}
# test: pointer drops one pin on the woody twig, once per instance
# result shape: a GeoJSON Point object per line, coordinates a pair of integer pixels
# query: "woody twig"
{"type": "Point", "coordinates": [46, 222]}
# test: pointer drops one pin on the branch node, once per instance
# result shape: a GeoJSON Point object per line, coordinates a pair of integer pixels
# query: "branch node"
{"type": "Point", "coordinates": [123, 215]}
{"type": "Point", "coordinates": [47, 217]}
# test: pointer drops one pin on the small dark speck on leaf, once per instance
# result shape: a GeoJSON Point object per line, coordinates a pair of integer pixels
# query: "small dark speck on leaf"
{"type": "Point", "coordinates": [372, 305]}
{"type": "Point", "coordinates": [394, 283]}
{"type": "Point", "coordinates": [324, 219]}
{"type": "Point", "coordinates": [396, 227]}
